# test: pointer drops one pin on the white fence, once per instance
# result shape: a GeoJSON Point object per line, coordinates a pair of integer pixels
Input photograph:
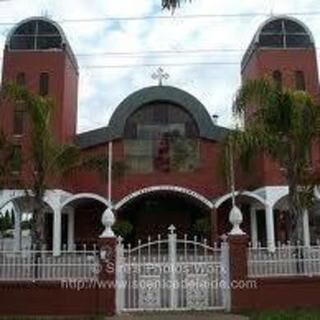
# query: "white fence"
{"type": "Point", "coordinates": [286, 260]}
{"type": "Point", "coordinates": [42, 265]}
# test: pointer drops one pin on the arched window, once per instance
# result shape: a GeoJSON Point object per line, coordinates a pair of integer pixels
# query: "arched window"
{"type": "Point", "coordinates": [277, 78]}
{"type": "Point", "coordinates": [161, 137]}
{"type": "Point", "coordinates": [300, 81]}
{"type": "Point", "coordinates": [284, 33]}
{"type": "Point", "coordinates": [36, 35]}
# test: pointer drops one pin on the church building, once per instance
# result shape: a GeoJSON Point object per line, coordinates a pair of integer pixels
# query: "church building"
{"type": "Point", "coordinates": [166, 149]}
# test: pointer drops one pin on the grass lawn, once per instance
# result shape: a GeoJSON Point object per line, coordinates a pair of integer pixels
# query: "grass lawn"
{"type": "Point", "coordinates": [50, 318]}
{"type": "Point", "coordinates": [287, 315]}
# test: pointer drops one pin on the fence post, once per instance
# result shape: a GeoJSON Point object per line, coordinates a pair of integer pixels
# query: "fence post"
{"type": "Point", "coordinates": [172, 260]}
{"type": "Point", "coordinates": [120, 291]}
{"type": "Point", "coordinates": [238, 268]}
{"type": "Point", "coordinates": [107, 272]}
{"type": "Point", "coordinates": [225, 274]}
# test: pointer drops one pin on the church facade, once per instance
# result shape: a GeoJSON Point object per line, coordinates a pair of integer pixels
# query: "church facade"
{"type": "Point", "coordinates": [165, 148]}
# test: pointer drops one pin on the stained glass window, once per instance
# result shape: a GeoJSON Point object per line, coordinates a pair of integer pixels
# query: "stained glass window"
{"type": "Point", "coordinates": [161, 137]}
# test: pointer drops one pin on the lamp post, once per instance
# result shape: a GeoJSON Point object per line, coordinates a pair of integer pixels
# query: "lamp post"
{"type": "Point", "coordinates": [235, 216]}
{"type": "Point", "coordinates": [108, 218]}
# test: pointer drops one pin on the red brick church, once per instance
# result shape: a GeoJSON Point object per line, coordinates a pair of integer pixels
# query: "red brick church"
{"type": "Point", "coordinates": [166, 148]}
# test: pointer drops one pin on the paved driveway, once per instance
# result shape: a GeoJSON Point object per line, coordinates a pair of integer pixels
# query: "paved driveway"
{"type": "Point", "coordinates": [180, 316]}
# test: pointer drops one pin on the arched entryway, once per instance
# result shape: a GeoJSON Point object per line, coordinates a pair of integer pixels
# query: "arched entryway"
{"type": "Point", "coordinates": [81, 220]}
{"type": "Point", "coordinates": [18, 210]}
{"type": "Point", "coordinates": [149, 212]}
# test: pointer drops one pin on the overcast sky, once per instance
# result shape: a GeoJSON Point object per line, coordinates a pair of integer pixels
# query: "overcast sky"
{"type": "Point", "coordinates": [102, 89]}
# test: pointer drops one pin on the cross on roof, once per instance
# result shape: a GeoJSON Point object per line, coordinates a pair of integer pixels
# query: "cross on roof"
{"type": "Point", "coordinates": [160, 75]}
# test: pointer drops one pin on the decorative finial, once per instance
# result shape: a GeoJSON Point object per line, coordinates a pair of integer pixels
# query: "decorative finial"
{"type": "Point", "coordinates": [108, 221]}
{"type": "Point", "coordinates": [172, 229]}
{"type": "Point", "coordinates": [236, 219]}
{"type": "Point", "coordinates": [160, 75]}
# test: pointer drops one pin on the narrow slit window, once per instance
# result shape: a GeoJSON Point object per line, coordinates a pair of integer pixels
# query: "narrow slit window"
{"type": "Point", "coordinates": [21, 79]}
{"type": "Point", "coordinates": [300, 81]}
{"type": "Point", "coordinates": [18, 122]}
{"type": "Point", "coordinates": [17, 158]}
{"type": "Point", "coordinates": [44, 84]}
{"type": "Point", "coordinates": [277, 78]}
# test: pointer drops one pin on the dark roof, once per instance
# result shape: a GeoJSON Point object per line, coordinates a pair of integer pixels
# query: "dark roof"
{"type": "Point", "coordinates": [92, 138]}
{"type": "Point", "coordinates": [127, 107]}
{"type": "Point", "coordinates": [280, 32]}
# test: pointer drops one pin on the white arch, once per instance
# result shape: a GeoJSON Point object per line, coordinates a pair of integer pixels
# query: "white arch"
{"type": "Point", "coordinates": [248, 194]}
{"type": "Point", "coordinates": [13, 195]}
{"type": "Point", "coordinates": [170, 188]}
{"type": "Point", "coordinates": [85, 196]}
{"type": "Point", "coordinates": [10, 195]}
{"type": "Point", "coordinates": [278, 201]}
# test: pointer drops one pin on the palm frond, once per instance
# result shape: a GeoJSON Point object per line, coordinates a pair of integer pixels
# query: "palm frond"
{"type": "Point", "coordinates": [172, 4]}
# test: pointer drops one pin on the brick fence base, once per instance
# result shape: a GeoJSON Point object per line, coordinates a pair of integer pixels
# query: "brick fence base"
{"type": "Point", "coordinates": [49, 298]}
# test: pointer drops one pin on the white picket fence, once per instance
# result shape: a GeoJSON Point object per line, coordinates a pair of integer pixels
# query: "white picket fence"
{"type": "Point", "coordinates": [286, 260]}
{"type": "Point", "coordinates": [42, 265]}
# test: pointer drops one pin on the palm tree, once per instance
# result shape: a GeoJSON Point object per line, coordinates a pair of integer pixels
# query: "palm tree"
{"type": "Point", "coordinates": [172, 4]}
{"type": "Point", "coordinates": [48, 160]}
{"type": "Point", "coordinates": [283, 126]}
{"type": "Point", "coordinates": [8, 160]}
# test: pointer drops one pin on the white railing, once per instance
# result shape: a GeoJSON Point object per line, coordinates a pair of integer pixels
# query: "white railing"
{"type": "Point", "coordinates": [286, 260]}
{"type": "Point", "coordinates": [42, 265]}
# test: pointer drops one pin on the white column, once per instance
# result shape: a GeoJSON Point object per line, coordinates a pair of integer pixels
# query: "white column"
{"type": "Point", "coordinates": [270, 228]}
{"type": "Point", "coordinates": [306, 229]}
{"type": "Point", "coordinates": [70, 229]}
{"type": "Point", "coordinates": [254, 226]}
{"type": "Point", "coordinates": [17, 227]}
{"type": "Point", "coordinates": [56, 232]}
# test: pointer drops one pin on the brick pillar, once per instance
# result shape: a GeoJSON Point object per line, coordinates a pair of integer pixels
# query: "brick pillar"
{"type": "Point", "coordinates": [107, 276]}
{"type": "Point", "coordinates": [238, 259]}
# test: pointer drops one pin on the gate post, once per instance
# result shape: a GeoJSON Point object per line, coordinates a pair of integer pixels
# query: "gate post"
{"type": "Point", "coordinates": [238, 264]}
{"type": "Point", "coordinates": [172, 241]}
{"type": "Point", "coordinates": [107, 272]}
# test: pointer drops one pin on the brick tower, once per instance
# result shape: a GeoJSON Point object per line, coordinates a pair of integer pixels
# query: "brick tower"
{"type": "Point", "coordinates": [38, 55]}
{"type": "Point", "coordinates": [283, 48]}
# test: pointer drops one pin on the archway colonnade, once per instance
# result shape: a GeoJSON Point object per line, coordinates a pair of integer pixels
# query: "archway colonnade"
{"type": "Point", "coordinates": [61, 203]}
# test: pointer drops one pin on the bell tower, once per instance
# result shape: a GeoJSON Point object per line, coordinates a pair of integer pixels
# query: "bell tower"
{"type": "Point", "coordinates": [38, 56]}
{"type": "Point", "coordinates": [283, 48]}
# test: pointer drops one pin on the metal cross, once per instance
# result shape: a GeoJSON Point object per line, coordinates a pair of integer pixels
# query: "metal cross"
{"type": "Point", "coordinates": [160, 75]}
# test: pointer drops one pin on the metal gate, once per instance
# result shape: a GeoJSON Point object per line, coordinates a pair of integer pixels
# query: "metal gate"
{"type": "Point", "coordinates": [172, 274]}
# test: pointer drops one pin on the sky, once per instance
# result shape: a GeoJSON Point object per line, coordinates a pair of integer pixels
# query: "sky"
{"type": "Point", "coordinates": [101, 90]}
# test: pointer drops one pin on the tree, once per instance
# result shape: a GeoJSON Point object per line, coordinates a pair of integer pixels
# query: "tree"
{"type": "Point", "coordinates": [172, 4]}
{"type": "Point", "coordinates": [284, 125]}
{"type": "Point", "coordinates": [48, 160]}
{"type": "Point", "coordinates": [8, 159]}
